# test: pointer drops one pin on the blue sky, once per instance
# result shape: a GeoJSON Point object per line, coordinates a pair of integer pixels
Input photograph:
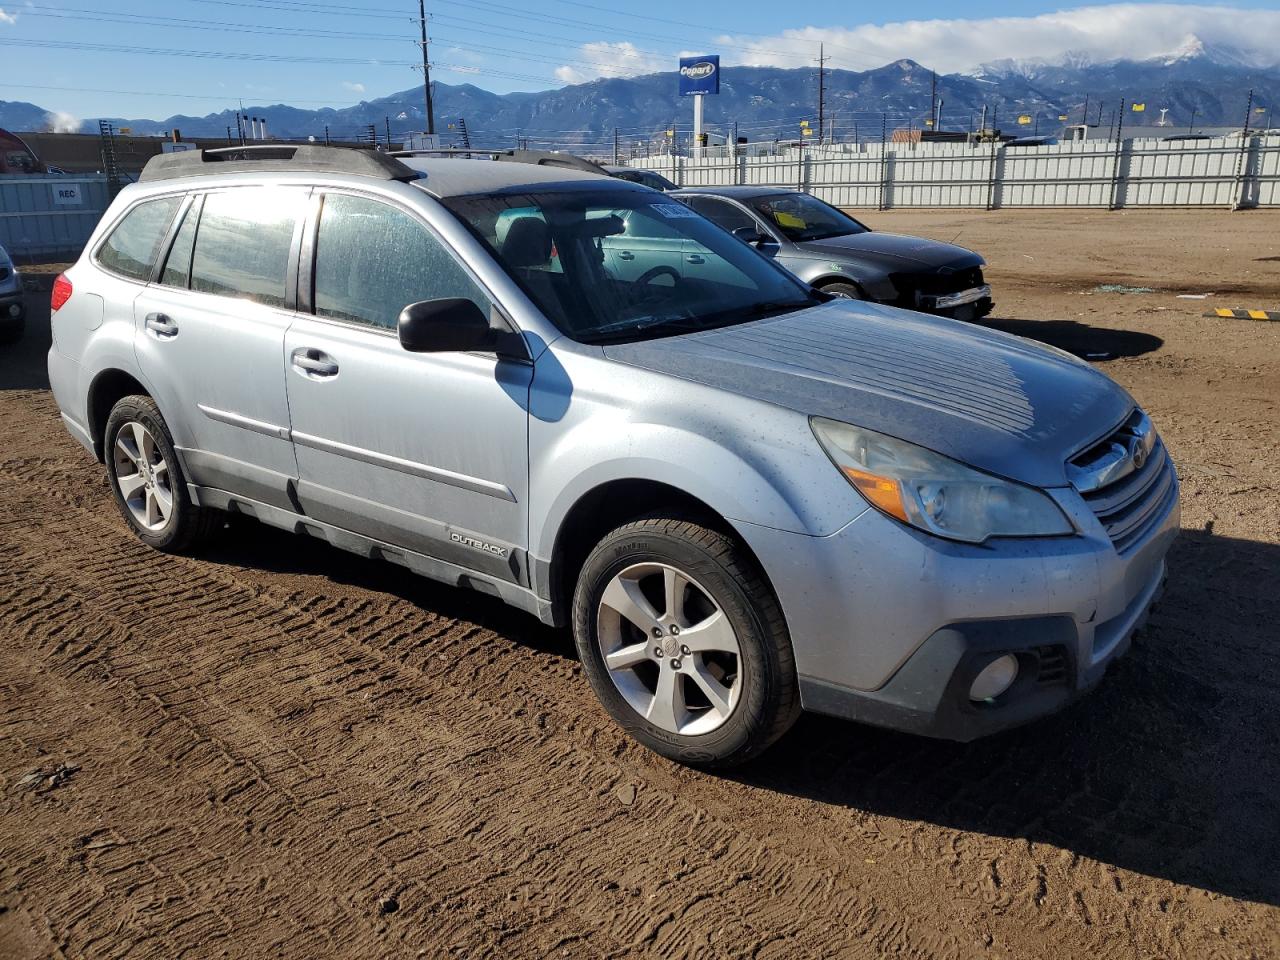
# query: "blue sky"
{"type": "Point", "coordinates": [328, 52]}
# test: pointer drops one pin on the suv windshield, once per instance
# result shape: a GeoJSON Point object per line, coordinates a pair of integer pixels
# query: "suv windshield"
{"type": "Point", "coordinates": [801, 217]}
{"type": "Point", "coordinates": [616, 264]}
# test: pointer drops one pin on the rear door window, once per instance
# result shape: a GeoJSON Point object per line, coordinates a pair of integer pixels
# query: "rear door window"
{"type": "Point", "coordinates": [133, 245]}
{"type": "Point", "coordinates": [722, 213]}
{"type": "Point", "coordinates": [177, 268]}
{"type": "Point", "coordinates": [373, 260]}
{"type": "Point", "coordinates": [243, 243]}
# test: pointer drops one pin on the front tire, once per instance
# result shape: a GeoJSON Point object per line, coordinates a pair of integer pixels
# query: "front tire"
{"type": "Point", "coordinates": [684, 642]}
{"type": "Point", "coordinates": [146, 479]}
{"type": "Point", "coordinates": [845, 291]}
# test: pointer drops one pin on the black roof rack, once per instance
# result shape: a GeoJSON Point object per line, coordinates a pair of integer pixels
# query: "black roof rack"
{"type": "Point", "coordinates": [542, 158]}
{"type": "Point", "coordinates": [277, 158]}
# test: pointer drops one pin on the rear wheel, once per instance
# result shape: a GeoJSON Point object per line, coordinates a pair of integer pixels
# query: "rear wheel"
{"type": "Point", "coordinates": [684, 643]}
{"type": "Point", "coordinates": [147, 481]}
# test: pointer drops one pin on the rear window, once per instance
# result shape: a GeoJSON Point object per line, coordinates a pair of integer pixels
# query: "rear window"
{"type": "Point", "coordinates": [132, 247]}
{"type": "Point", "coordinates": [243, 242]}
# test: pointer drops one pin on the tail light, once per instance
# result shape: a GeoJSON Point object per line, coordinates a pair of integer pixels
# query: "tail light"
{"type": "Point", "coordinates": [61, 293]}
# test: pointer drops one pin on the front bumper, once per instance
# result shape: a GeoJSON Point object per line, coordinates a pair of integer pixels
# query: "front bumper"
{"type": "Point", "coordinates": [890, 626]}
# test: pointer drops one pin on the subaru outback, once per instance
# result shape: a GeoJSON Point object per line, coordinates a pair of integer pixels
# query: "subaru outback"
{"type": "Point", "coordinates": [745, 497]}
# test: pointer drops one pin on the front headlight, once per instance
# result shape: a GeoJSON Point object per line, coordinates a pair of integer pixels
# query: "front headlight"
{"type": "Point", "coordinates": [935, 493]}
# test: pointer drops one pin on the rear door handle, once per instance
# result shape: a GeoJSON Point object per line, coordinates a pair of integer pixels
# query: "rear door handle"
{"type": "Point", "coordinates": [695, 258]}
{"type": "Point", "coordinates": [162, 325]}
{"type": "Point", "coordinates": [314, 363]}
{"type": "Point", "coordinates": [626, 255]}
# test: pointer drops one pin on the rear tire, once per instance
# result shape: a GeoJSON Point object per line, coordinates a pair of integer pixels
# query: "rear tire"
{"type": "Point", "coordinates": [147, 481]}
{"type": "Point", "coordinates": [699, 668]}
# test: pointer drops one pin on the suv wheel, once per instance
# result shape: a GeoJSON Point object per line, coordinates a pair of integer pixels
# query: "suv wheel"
{"type": "Point", "coordinates": [684, 642]}
{"type": "Point", "coordinates": [146, 479]}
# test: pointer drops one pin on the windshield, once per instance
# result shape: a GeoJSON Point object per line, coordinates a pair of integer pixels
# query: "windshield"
{"type": "Point", "coordinates": [801, 217]}
{"type": "Point", "coordinates": [607, 265]}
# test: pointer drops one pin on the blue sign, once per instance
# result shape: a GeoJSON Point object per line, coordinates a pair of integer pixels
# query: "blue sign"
{"type": "Point", "coordinates": [699, 75]}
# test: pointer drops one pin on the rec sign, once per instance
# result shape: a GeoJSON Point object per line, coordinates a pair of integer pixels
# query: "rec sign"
{"type": "Point", "coordinates": [699, 75]}
{"type": "Point", "coordinates": [66, 195]}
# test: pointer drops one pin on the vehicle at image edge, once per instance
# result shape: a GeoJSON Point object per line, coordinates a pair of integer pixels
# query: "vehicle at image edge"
{"type": "Point", "coordinates": [646, 178]}
{"type": "Point", "coordinates": [831, 250]}
{"type": "Point", "coordinates": [744, 496]}
{"type": "Point", "coordinates": [12, 308]}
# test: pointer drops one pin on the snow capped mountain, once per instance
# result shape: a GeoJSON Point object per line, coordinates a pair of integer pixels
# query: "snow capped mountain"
{"type": "Point", "coordinates": [1191, 49]}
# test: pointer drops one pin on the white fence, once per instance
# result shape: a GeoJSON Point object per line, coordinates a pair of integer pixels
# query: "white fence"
{"type": "Point", "coordinates": [47, 216]}
{"type": "Point", "coordinates": [1227, 172]}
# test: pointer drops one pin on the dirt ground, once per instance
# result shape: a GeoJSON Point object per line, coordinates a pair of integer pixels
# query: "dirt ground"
{"type": "Point", "coordinates": [276, 749]}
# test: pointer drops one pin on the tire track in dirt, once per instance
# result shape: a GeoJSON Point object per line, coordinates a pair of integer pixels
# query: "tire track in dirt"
{"type": "Point", "coordinates": [480, 663]}
{"type": "Point", "coordinates": [131, 601]}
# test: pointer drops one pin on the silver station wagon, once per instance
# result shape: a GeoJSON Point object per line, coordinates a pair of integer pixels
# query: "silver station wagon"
{"type": "Point", "coordinates": [745, 497]}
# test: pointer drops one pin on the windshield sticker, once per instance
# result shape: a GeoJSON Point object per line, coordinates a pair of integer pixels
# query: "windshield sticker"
{"type": "Point", "coordinates": [673, 211]}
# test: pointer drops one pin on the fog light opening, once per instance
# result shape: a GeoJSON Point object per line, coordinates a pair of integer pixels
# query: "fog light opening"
{"type": "Point", "coordinates": [994, 679]}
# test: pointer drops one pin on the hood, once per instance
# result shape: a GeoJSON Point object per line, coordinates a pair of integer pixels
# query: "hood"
{"type": "Point", "coordinates": [893, 252]}
{"type": "Point", "coordinates": [992, 400]}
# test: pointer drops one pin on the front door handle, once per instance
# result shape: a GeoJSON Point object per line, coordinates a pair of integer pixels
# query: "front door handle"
{"type": "Point", "coordinates": [695, 258]}
{"type": "Point", "coordinates": [162, 325]}
{"type": "Point", "coordinates": [314, 363]}
{"type": "Point", "coordinates": [626, 255]}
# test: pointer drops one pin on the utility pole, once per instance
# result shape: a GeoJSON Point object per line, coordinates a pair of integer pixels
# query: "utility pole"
{"type": "Point", "coordinates": [617, 157]}
{"type": "Point", "coordinates": [387, 120]}
{"type": "Point", "coordinates": [1191, 127]}
{"type": "Point", "coordinates": [426, 69]}
{"type": "Point", "coordinates": [326, 135]}
{"type": "Point", "coordinates": [822, 89]}
{"type": "Point", "coordinates": [1086, 109]}
{"type": "Point", "coordinates": [933, 101]}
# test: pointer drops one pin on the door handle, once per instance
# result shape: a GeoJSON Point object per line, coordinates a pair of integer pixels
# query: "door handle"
{"type": "Point", "coordinates": [162, 325]}
{"type": "Point", "coordinates": [314, 363]}
{"type": "Point", "coordinates": [695, 258]}
{"type": "Point", "coordinates": [626, 255]}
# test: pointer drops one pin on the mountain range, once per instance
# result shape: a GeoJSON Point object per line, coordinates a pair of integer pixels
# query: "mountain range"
{"type": "Point", "coordinates": [1209, 85]}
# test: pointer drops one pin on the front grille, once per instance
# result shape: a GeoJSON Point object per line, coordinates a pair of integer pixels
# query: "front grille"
{"type": "Point", "coordinates": [1127, 480]}
{"type": "Point", "coordinates": [934, 282]}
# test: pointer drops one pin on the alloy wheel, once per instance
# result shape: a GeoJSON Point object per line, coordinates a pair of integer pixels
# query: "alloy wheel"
{"type": "Point", "coordinates": [142, 473]}
{"type": "Point", "coordinates": [669, 648]}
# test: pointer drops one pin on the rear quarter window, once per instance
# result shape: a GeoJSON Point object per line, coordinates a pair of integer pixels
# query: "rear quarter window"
{"type": "Point", "coordinates": [131, 248]}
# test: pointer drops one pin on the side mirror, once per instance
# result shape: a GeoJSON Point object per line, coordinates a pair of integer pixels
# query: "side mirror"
{"type": "Point", "coordinates": [751, 235]}
{"type": "Point", "coordinates": [450, 324]}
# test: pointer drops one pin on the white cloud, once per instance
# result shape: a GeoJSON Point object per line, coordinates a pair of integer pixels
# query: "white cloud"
{"type": "Point", "coordinates": [61, 122]}
{"type": "Point", "coordinates": [605, 59]}
{"type": "Point", "coordinates": [6, 17]}
{"type": "Point", "coordinates": [353, 86]}
{"type": "Point", "coordinates": [1134, 31]}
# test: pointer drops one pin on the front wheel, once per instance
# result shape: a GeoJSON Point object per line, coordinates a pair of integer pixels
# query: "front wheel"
{"type": "Point", "coordinates": [684, 642]}
{"type": "Point", "coordinates": [845, 291]}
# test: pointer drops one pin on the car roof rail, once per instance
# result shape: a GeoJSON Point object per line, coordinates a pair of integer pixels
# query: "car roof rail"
{"type": "Point", "coordinates": [277, 158]}
{"type": "Point", "coordinates": [542, 158]}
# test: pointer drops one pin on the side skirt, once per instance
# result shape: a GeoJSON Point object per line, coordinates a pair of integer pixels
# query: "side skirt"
{"type": "Point", "coordinates": [517, 596]}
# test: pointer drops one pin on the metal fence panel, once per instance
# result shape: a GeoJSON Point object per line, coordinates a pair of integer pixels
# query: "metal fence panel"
{"type": "Point", "coordinates": [48, 216]}
{"type": "Point", "coordinates": [1226, 171]}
